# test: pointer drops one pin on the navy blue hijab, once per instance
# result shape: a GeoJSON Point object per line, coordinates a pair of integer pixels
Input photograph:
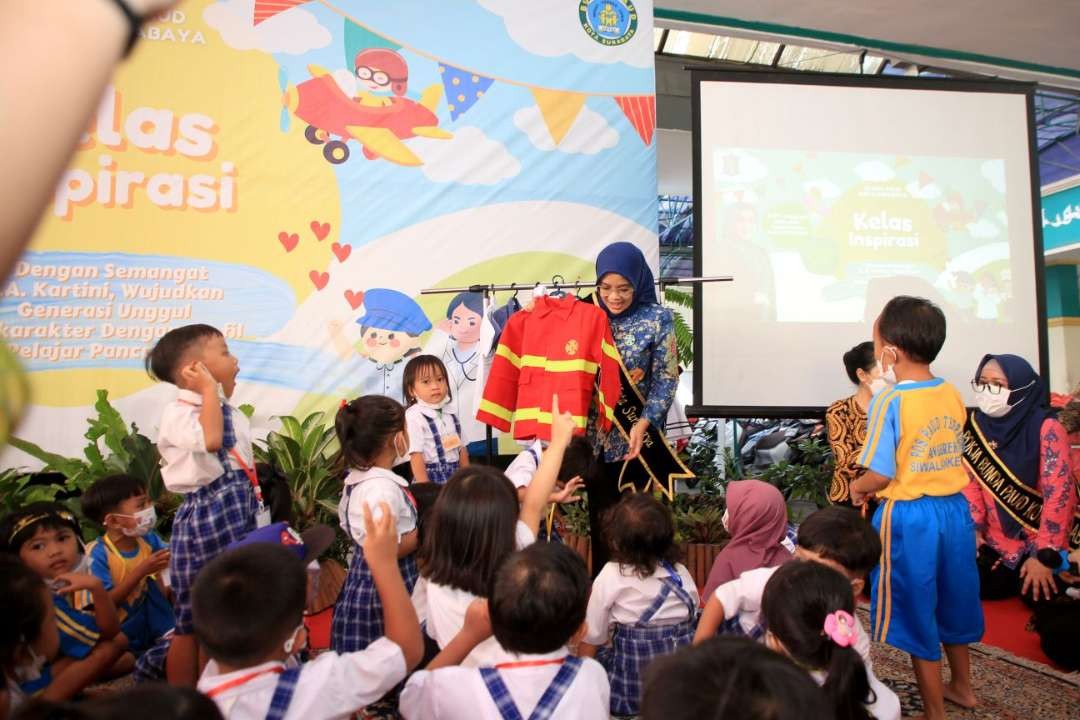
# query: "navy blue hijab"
{"type": "Point", "coordinates": [1019, 433]}
{"type": "Point", "coordinates": [623, 258]}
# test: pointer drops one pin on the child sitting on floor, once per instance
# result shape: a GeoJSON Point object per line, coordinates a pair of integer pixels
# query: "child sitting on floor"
{"type": "Point", "coordinates": [537, 608]}
{"type": "Point", "coordinates": [248, 606]}
{"type": "Point", "coordinates": [648, 597]}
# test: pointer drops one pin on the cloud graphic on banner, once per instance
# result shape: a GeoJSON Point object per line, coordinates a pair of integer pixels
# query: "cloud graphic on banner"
{"type": "Point", "coordinates": [587, 135]}
{"type": "Point", "coordinates": [874, 171]}
{"type": "Point", "coordinates": [983, 229]}
{"type": "Point", "coordinates": [469, 158]}
{"type": "Point", "coordinates": [931, 191]}
{"type": "Point", "coordinates": [552, 28]}
{"type": "Point", "coordinates": [294, 32]}
{"type": "Point", "coordinates": [826, 188]}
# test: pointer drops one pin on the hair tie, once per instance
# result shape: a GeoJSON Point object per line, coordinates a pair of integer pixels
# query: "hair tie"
{"type": "Point", "coordinates": [344, 402]}
{"type": "Point", "coordinates": [840, 628]}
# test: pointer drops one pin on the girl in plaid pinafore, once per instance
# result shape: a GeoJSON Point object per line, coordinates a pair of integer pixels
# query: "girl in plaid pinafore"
{"type": "Point", "coordinates": [642, 599]}
{"type": "Point", "coordinates": [436, 448]}
{"type": "Point", "coordinates": [373, 436]}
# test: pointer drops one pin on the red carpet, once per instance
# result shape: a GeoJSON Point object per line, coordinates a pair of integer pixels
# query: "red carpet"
{"type": "Point", "coordinates": [1006, 623]}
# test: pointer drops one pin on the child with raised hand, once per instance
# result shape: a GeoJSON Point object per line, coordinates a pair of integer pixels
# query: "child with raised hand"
{"type": "Point", "coordinates": [835, 536]}
{"type": "Point", "coordinates": [578, 464]}
{"type": "Point", "coordinates": [809, 610]}
{"type": "Point", "coordinates": [249, 615]}
{"type": "Point", "coordinates": [436, 448]}
{"type": "Point", "coordinates": [537, 601]}
{"type": "Point", "coordinates": [731, 677]}
{"type": "Point", "coordinates": [207, 457]}
{"type": "Point", "coordinates": [129, 559]}
{"type": "Point", "coordinates": [643, 599]}
{"type": "Point", "coordinates": [476, 524]}
{"type": "Point", "coordinates": [372, 433]}
{"type": "Point", "coordinates": [90, 647]}
{"type": "Point", "coordinates": [925, 592]}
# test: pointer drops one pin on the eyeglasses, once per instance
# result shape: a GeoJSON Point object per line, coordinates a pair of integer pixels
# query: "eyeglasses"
{"type": "Point", "coordinates": [988, 387]}
{"type": "Point", "coordinates": [618, 292]}
{"type": "Point", "coordinates": [376, 76]}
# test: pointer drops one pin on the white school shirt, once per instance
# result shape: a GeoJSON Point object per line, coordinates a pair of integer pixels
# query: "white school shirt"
{"type": "Point", "coordinates": [451, 693]}
{"type": "Point", "coordinates": [373, 486]}
{"type": "Point", "coordinates": [464, 368]}
{"type": "Point", "coordinates": [886, 705]}
{"type": "Point", "coordinates": [524, 467]}
{"type": "Point", "coordinates": [443, 609]}
{"type": "Point", "coordinates": [741, 598]}
{"type": "Point", "coordinates": [330, 686]}
{"type": "Point", "coordinates": [186, 464]}
{"type": "Point", "coordinates": [420, 438]}
{"type": "Point", "coordinates": [620, 596]}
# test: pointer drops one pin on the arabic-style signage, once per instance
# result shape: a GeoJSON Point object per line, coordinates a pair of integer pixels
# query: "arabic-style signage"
{"type": "Point", "coordinates": [1061, 219]}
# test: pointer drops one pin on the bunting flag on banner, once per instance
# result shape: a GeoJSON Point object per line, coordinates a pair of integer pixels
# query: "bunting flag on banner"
{"type": "Point", "coordinates": [559, 110]}
{"type": "Point", "coordinates": [463, 88]}
{"type": "Point", "coordinates": [266, 9]}
{"type": "Point", "coordinates": [640, 110]}
{"type": "Point", "coordinates": [359, 38]}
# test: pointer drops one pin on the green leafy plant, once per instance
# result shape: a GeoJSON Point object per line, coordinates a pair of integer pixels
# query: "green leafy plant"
{"type": "Point", "coordinates": [307, 454]}
{"type": "Point", "coordinates": [17, 490]}
{"type": "Point", "coordinates": [807, 479]}
{"type": "Point", "coordinates": [575, 517]}
{"type": "Point", "coordinates": [684, 334]}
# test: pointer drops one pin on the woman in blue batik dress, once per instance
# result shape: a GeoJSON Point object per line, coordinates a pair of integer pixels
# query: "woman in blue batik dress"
{"type": "Point", "coordinates": [644, 333]}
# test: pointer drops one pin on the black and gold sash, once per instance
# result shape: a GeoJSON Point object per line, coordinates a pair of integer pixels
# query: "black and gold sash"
{"type": "Point", "coordinates": [1020, 504]}
{"type": "Point", "coordinates": [657, 465]}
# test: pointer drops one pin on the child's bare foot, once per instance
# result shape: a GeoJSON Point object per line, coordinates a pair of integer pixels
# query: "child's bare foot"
{"type": "Point", "coordinates": [962, 696]}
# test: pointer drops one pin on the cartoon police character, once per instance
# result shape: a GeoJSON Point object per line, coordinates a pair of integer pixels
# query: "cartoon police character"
{"type": "Point", "coordinates": [390, 330]}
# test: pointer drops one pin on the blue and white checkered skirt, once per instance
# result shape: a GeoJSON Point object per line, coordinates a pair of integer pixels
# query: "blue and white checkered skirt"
{"type": "Point", "coordinates": [358, 615]}
{"type": "Point", "coordinates": [440, 472]}
{"type": "Point", "coordinates": [632, 648]}
{"type": "Point", "coordinates": [208, 520]}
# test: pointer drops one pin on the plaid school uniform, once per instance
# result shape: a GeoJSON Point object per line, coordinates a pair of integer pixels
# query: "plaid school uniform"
{"type": "Point", "coordinates": [358, 616]}
{"type": "Point", "coordinates": [504, 701]}
{"type": "Point", "coordinates": [209, 520]}
{"type": "Point", "coordinates": [440, 471]}
{"type": "Point", "coordinates": [634, 646]}
{"type": "Point", "coordinates": [283, 694]}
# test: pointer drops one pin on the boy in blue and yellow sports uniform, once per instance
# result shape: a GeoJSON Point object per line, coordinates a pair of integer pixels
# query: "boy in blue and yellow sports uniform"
{"type": "Point", "coordinates": [925, 592]}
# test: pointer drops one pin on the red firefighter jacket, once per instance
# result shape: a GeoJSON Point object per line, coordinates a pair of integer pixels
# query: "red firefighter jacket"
{"type": "Point", "coordinates": [558, 348]}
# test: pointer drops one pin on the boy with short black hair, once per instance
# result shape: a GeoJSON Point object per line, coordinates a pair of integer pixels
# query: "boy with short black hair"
{"type": "Point", "coordinates": [206, 451]}
{"type": "Point", "coordinates": [836, 536]}
{"type": "Point", "coordinates": [925, 592]}
{"type": "Point", "coordinates": [537, 607]}
{"type": "Point", "coordinates": [129, 559]}
{"type": "Point", "coordinates": [248, 609]}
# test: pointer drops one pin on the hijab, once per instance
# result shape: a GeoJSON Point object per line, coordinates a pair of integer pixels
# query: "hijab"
{"type": "Point", "coordinates": [757, 521]}
{"type": "Point", "coordinates": [1017, 434]}
{"type": "Point", "coordinates": [626, 259]}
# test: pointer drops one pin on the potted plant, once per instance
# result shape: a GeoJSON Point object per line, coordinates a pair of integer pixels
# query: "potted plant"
{"type": "Point", "coordinates": [804, 482]}
{"type": "Point", "coordinates": [572, 521]}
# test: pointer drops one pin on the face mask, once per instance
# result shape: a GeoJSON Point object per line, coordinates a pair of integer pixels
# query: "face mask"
{"type": "Point", "coordinates": [433, 406]}
{"type": "Point", "coordinates": [401, 454]}
{"type": "Point", "coordinates": [291, 646]}
{"type": "Point", "coordinates": [724, 519]}
{"type": "Point", "coordinates": [996, 406]}
{"type": "Point", "coordinates": [888, 377]}
{"type": "Point", "coordinates": [144, 522]}
{"type": "Point", "coordinates": [26, 673]}
{"type": "Point", "coordinates": [877, 385]}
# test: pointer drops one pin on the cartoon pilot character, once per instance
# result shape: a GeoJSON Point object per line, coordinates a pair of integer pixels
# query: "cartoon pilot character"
{"type": "Point", "coordinates": [380, 73]}
{"type": "Point", "coordinates": [390, 330]}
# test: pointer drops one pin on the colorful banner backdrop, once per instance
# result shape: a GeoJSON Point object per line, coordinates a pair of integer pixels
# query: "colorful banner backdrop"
{"type": "Point", "coordinates": [295, 172]}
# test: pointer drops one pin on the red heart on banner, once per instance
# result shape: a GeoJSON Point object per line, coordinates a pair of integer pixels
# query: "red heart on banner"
{"type": "Point", "coordinates": [341, 252]}
{"type": "Point", "coordinates": [355, 299]}
{"type": "Point", "coordinates": [319, 279]}
{"type": "Point", "coordinates": [289, 242]}
{"type": "Point", "coordinates": [321, 230]}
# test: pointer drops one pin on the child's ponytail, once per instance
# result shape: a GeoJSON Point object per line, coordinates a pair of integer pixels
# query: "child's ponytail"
{"type": "Point", "coordinates": [808, 609]}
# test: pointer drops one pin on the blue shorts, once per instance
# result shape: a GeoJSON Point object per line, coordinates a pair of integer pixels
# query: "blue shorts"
{"type": "Point", "coordinates": [925, 591]}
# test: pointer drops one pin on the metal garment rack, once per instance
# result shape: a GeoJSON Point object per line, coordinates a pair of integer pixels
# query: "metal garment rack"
{"type": "Point", "coordinates": [557, 283]}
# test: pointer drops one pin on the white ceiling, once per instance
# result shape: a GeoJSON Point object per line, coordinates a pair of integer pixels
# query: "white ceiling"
{"type": "Point", "coordinates": [1045, 34]}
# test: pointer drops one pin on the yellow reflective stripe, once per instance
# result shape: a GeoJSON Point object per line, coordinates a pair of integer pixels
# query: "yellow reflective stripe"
{"type": "Point", "coordinates": [509, 355]}
{"type": "Point", "coordinates": [74, 629]}
{"type": "Point", "coordinates": [497, 410]}
{"type": "Point", "coordinates": [609, 412]}
{"type": "Point", "coordinates": [577, 365]}
{"type": "Point", "coordinates": [535, 413]}
{"type": "Point", "coordinates": [610, 350]}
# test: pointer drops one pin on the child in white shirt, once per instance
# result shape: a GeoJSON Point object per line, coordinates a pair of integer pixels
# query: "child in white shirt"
{"type": "Point", "coordinates": [372, 433]}
{"type": "Point", "coordinates": [809, 608]}
{"type": "Point", "coordinates": [577, 464]}
{"type": "Point", "coordinates": [642, 599]}
{"type": "Point", "coordinates": [249, 608]}
{"type": "Point", "coordinates": [436, 449]}
{"type": "Point", "coordinates": [537, 609]}
{"type": "Point", "coordinates": [206, 454]}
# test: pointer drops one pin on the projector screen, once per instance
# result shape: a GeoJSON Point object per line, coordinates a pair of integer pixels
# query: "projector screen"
{"type": "Point", "coordinates": [824, 196]}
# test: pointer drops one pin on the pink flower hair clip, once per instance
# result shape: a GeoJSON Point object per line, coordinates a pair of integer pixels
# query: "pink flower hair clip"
{"type": "Point", "coordinates": [840, 628]}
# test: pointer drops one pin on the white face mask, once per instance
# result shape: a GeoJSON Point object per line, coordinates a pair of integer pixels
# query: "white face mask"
{"type": "Point", "coordinates": [291, 646]}
{"type": "Point", "coordinates": [996, 406]}
{"type": "Point", "coordinates": [26, 673]}
{"type": "Point", "coordinates": [877, 385]}
{"type": "Point", "coordinates": [886, 376]}
{"type": "Point", "coordinates": [724, 519]}
{"type": "Point", "coordinates": [401, 454]}
{"type": "Point", "coordinates": [144, 522]}
{"type": "Point", "coordinates": [434, 406]}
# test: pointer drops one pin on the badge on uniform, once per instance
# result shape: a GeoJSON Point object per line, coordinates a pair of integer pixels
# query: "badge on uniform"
{"type": "Point", "coordinates": [451, 442]}
{"type": "Point", "coordinates": [262, 518]}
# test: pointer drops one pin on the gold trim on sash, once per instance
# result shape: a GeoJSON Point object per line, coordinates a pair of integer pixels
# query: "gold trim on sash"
{"type": "Point", "coordinates": [1022, 503]}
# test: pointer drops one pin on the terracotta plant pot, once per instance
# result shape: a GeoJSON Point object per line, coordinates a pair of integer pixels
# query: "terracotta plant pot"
{"type": "Point", "coordinates": [699, 558]}
{"type": "Point", "coordinates": [582, 545]}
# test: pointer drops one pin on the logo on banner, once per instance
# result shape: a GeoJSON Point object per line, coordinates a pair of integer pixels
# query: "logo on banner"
{"type": "Point", "coordinates": [608, 22]}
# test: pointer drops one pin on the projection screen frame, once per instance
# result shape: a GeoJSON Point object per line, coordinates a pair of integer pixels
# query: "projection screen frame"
{"type": "Point", "coordinates": [700, 74]}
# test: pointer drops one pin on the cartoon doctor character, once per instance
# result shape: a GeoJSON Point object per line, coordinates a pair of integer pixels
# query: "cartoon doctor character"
{"type": "Point", "coordinates": [390, 330]}
{"type": "Point", "coordinates": [380, 73]}
{"type": "Point", "coordinates": [456, 340]}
